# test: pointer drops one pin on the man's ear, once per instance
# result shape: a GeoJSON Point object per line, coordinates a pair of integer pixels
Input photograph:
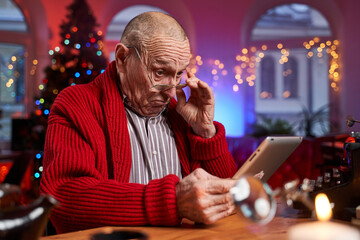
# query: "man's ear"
{"type": "Point", "coordinates": [121, 53]}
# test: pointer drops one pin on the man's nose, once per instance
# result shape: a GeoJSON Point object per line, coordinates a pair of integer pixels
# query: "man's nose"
{"type": "Point", "coordinates": [170, 93]}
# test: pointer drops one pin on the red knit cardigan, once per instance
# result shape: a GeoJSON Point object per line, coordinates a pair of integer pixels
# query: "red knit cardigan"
{"type": "Point", "coordinates": [87, 161]}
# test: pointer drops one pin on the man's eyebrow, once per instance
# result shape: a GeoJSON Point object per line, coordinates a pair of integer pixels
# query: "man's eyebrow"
{"type": "Point", "coordinates": [162, 62]}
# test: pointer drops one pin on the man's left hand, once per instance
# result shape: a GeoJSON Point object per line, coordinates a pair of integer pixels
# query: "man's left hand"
{"type": "Point", "coordinates": [198, 111]}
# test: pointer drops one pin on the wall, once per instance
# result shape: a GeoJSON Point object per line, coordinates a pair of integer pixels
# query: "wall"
{"type": "Point", "coordinates": [220, 29]}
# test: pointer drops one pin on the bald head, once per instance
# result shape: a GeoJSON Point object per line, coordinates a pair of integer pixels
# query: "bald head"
{"type": "Point", "coordinates": [149, 25]}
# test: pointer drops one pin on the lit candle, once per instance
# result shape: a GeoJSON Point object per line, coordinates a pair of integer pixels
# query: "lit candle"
{"type": "Point", "coordinates": [323, 229]}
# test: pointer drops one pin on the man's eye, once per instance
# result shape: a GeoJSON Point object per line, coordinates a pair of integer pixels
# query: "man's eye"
{"type": "Point", "coordinates": [179, 74]}
{"type": "Point", "coordinates": [160, 72]}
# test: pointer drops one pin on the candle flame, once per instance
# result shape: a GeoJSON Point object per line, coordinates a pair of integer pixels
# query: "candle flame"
{"type": "Point", "coordinates": [323, 207]}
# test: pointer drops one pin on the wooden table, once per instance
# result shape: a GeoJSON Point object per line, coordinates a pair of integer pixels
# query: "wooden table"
{"type": "Point", "coordinates": [232, 227]}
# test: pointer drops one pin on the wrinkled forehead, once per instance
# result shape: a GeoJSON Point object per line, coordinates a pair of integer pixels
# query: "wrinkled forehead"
{"type": "Point", "coordinates": [164, 49]}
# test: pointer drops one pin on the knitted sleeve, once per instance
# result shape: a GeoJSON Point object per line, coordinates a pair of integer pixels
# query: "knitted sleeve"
{"type": "Point", "coordinates": [213, 153]}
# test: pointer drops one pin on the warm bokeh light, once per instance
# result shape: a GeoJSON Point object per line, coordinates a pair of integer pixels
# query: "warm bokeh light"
{"type": "Point", "coordinates": [323, 207]}
{"type": "Point", "coordinates": [235, 88]}
{"type": "Point", "coordinates": [280, 46]}
{"type": "Point", "coordinates": [286, 94]}
{"type": "Point", "coordinates": [4, 171]}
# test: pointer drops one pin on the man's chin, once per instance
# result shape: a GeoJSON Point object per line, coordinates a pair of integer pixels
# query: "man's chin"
{"type": "Point", "coordinates": [153, 110]}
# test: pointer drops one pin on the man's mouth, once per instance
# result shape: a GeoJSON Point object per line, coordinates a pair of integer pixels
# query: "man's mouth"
{"type": "Point", "coordinates": [159, 103]}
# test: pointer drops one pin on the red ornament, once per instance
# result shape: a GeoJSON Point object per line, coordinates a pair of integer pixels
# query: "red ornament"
{"type": "Point", "coordinates": [38, 112]}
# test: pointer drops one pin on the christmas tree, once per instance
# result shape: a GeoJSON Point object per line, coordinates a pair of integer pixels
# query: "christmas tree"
{"type": "Point", "coordinates": [78, 60]}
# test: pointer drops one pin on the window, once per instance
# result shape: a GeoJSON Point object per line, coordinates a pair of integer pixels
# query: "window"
{"type": "Point", "coordinates": [12, 67]}
{"type": "Point", "coordinates": [11, 73]}
{"type": "Point", "coordinates": [290, 21]}
{"type": "Point", "coordinates": [290, 74]}
{"type": "Point", "coordinates": [267, 78]}
{"type": "Point", "coordinates": [11, 18]}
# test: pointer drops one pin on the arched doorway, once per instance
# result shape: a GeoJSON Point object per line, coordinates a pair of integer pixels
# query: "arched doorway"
{"type": "Point", "coordinates": [305, 71]}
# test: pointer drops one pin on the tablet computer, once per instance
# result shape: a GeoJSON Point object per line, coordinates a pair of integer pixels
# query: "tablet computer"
{"type": "Point", "coordinates": [268, 156]}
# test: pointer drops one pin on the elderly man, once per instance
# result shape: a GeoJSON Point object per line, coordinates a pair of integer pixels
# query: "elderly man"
{"type": "Point", "coordinates": [121, 151]}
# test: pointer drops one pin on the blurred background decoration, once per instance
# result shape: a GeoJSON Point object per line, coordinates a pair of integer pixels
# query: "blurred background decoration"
{"type": "Point", "coordinates": [276, 67]}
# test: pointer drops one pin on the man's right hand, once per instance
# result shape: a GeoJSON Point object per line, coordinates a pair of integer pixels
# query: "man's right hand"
{"type": "Point", "coordinates": [204, 198]}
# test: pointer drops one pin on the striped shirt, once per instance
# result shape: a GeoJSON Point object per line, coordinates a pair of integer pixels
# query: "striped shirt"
{"type": "Point", "coordinates": [153, 148]}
